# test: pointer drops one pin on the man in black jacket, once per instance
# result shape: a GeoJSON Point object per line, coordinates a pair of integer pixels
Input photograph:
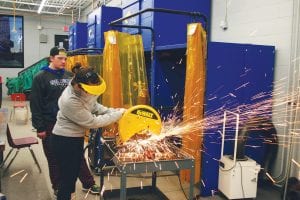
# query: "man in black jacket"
{"type": "Point", "coordinates": [47, 87]}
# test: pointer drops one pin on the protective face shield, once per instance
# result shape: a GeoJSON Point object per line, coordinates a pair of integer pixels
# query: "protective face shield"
{"type": "Point", "coordinates": [96, 90]}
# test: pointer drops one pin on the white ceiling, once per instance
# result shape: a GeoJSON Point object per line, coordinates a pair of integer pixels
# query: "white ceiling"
{"type": "Point", "coordinates": [56, 7]}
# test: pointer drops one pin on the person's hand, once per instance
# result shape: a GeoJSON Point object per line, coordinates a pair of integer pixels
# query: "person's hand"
{"type": "Point", "coordinates": [122, 110]}
{"type": "Point", "coordinates": [42, 135]}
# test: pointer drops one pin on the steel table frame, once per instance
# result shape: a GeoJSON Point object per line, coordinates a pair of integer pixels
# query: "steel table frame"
{"type": "Point", "coordinates": [154, 166]}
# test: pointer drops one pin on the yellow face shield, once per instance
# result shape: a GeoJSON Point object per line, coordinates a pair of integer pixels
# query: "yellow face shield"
{"type": "Point", "coordinates": [95, 89]}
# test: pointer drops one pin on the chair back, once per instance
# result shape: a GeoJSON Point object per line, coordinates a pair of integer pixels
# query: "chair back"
{"type": "Point", "coordinates": [18, 97]}
{"type": "Point", "coordinates": [9, 137]}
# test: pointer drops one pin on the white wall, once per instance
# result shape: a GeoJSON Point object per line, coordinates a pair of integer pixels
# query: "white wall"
{"type": "Point", "coordinates": [267, 22]}
{"type": "Point", "coordinates": [33, 49]}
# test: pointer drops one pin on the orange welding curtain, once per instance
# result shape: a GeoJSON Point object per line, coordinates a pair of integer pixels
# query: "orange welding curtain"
{"type": "Point", "coordinates": [194, 94]}
{"type": "Point", "coordinates": [124, 71]}
{"type": "Point", "coordinates": [72, 60]}
{"type": "Point", "coordinates": [135, 86]}
{"type": "Point", "coordinates": [96, 61]}
{"type": "Point", "coordinates": [111, 72]}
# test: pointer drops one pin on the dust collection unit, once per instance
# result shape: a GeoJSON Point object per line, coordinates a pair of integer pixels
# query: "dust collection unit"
{"type": "Point", "coordinates": [182, 79]}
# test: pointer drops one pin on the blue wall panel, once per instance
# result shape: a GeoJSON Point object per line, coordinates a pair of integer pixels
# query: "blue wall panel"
{"type": "Point", "coordinates": [230, 66]}
{"type": "Point", "coordinates": [256, 56]}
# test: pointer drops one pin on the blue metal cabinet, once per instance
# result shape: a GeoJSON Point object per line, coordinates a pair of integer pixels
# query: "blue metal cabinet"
{"type": "Point", "coordinates": [98, 22]}
{"type": "Point", "coordinates": [130, 7]}
{"type": "Point", "coordinates": [170, 29]}
{"type": "Point", "coordinates": [78, 36]}
{"type": "Point", "coordinates": [230, 66]}
{"type": "Point", "coordinates": [169, 74]}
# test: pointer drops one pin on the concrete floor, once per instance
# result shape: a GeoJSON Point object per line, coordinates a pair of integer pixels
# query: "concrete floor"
{"type": "Point", "coordinates": [37, 185]}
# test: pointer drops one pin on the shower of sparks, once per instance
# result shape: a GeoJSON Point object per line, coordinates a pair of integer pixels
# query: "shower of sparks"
{"type": "Point", "coordinates": [176, 164]}
{"type": "Point", "coordinates": [232, 95]}
{"type": "Point", "coordinates": [17, 173]}
{"type": "Point", "coordinates": [147, 149]}
{"type": "Point", "coordinates": [23, 178]}
{"type": "Point", "coordinates": [294, 161]}
{"type": "Point", "coordinates": [180, 61]}
{"type": "Point", "coordinates": [203, 183]}
{"type": "Point", "coordinates": [112, 170]}
{"type": "Point", "coordinates": [270, 177]}
{"type": "Point", "coordinates": [255, 116]}
{"type": "Point", "coordinates": [87, 193]}
{"type": "Point", "coordinates": [102, 191]}
{"type": "Point", "coordinates": [212, 193]}
{"type": "Point", "coordinates": [104, 166]}
{"type": "Point", "coordinates": [242, 86]}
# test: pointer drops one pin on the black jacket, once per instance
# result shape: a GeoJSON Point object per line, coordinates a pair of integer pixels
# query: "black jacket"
{"type": "Point", "coordinates": [47, 87]}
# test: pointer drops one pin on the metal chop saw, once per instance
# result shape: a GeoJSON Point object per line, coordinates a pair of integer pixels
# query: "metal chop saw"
{"type": "Point", "coordinates": [137, 120]}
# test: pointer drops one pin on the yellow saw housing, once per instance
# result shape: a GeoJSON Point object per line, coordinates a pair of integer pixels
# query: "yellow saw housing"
{"type": "Point", "coordinates": [138, 119]}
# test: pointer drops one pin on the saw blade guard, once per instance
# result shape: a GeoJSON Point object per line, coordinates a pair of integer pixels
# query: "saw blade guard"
{"type": "Point", "coordinates": [137, 120]}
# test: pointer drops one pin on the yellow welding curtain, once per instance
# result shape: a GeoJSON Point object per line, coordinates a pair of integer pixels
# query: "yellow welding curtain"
{"type": "Point", "coordinates": [96, 61]}
{"type": "Point", "coordinates": [134, 77]}
{"type": "Point", "coordinates": [72, 60]}
{"type": "Point", "coordinates": [194, 94]}
{"type": "Point", "coordinates": [113, 96]}
{"type": "Point", "coordinates": [124, 72]}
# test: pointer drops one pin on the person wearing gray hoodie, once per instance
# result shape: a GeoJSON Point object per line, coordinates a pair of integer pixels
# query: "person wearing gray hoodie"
{"type": "Point", "coordinates": [78, 111]}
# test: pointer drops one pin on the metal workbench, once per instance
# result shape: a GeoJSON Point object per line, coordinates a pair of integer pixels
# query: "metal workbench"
{"type": "Point", "coordinates": [127, 168]}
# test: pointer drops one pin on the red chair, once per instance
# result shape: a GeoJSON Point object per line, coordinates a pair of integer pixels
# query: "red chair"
{"type": "Point", "coordinates": [18, 144]}
{"type": "Point", "coordinates": [20, 109]}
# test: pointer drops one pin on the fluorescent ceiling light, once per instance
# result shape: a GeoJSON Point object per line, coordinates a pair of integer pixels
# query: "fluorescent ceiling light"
{"type": "Point", "coordinates": [41, 6]}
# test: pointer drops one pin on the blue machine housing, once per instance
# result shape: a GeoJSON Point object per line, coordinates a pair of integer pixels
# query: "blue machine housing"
{"type": "Point", "coordinates": [170, 29]}
{"type": "Point", "coordinates": [77, 36]}
{"type": "Point", "coordinates": [98, 22]}
{"type": "Point", "coordinates": [236, 65]}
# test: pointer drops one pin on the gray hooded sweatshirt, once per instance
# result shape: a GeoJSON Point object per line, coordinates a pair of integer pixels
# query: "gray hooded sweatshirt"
{"type": "Point", "coordinates": [79, 111]}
